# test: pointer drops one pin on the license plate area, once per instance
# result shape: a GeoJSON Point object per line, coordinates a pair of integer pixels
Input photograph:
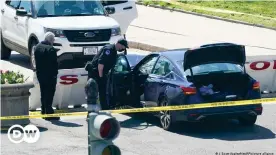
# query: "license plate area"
{"type": "Point", "coordinates": [90, 50]}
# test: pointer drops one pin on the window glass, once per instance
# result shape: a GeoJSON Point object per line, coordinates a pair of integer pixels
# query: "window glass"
{"type": "Point", "coordinates": [105, 3]}
{"type": "Point", "coordinates": [146, 68]}
{"type": "Point", "coordinates": [213, 67]}
{"type": "Point", "coordinates": [163, 67]}
{"type": "Point", "coordinates": [121, 65]}
{"type": "Point", "coordinates": [13, 3]}
{"type": "Point", "coordinates": [25, 5]}
{"type": "Point", "coordinates": [55, 8]}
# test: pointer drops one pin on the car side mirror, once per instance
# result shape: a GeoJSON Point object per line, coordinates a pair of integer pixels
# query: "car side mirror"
{"type": "Point", "coordinates": [110, 10]}
{"type": "Point", "coordinates": [21, 12]}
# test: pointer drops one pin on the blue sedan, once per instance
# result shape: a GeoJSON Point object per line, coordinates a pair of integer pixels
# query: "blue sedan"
{"type": "Point", "coordinates": [210, 73]}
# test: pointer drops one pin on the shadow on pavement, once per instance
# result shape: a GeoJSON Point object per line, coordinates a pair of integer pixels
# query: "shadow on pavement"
{"type": "Point", "coordinates": [224, 130]}
{"type": "Point", "coordinates": [41, 129]}
{"type": "Point", "coordinates": [136, 121]}
{"type": "Point", "coordinates": [21, 60]}
{"type": "Point", "coordinates": [65, 124]}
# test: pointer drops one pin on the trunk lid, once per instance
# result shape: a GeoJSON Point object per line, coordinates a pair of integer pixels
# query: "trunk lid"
{"type": "Point", "coordinates": [214, 53]}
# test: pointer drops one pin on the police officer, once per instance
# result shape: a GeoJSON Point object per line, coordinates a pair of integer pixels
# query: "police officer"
{"type": "Point", "coordinates": [46, 72]}
{"type": "Point", "coordinates": [97, 71]}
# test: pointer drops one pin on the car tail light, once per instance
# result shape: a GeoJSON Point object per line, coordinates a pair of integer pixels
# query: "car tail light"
{"type": "Point", "coordinates": [188, 90]}
{"type": "Point", "coordinates": [193, 115]}
{"type": "Point", "coordinates": [259, 109]}
{"type": "Point", "coordinates": [256, 85]}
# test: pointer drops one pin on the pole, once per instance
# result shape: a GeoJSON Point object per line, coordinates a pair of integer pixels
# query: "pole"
{"type": "Point", "coordinates": [89, 129]}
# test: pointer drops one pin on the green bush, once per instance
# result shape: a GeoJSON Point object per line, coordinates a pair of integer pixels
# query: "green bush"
{"type": "Point", "coordinates": [11, 77]}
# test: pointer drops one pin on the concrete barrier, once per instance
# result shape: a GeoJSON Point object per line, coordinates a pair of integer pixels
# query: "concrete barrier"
{"type": "Point", "coordinates": [15, 102]}
{"type": "Point", "coordinates": [69, 89]}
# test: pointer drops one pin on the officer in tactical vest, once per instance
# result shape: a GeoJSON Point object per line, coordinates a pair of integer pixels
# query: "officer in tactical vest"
{"type": "Point", "coordinates": [97, 72]}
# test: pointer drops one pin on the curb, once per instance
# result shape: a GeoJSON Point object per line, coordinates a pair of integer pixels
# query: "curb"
{"type": "Point", "coordinates": [145, 47]}
{"type": "Point", "coordinates": [207, 16]}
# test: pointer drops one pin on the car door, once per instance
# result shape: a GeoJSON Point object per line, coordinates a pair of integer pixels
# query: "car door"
{"type": "Point", "coordinates": [157, 80]}
{"type": "Point", "coordinates": [119, 82]}
{"type": "Point", "coordinates": [145, 68]}
{"type": "Point", "coordinates": [9, 21]}
{"type": "Point", "coordinates": [22, 24]}
{"type": "Point", "coordinates": [160, 78]}
{"type": "Point", "coordinates": [125, 12]}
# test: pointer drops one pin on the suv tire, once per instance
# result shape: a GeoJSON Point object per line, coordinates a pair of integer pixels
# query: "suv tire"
{"type": "Point", "coordinates": [32, 58]}
{"type": "Point", "coordinates": [5, 52]}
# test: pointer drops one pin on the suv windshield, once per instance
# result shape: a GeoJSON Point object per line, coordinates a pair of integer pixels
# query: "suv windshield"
{"type": "Point", "coordinates": [54, 8]}
{"type": "Point", "coordinates": [213, 67]}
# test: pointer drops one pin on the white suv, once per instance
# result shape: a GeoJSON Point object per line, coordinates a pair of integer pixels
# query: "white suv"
{"type": "Point", "coordinates": [81, 27]}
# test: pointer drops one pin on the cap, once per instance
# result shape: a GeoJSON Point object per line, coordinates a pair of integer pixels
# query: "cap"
{"type": "Point", "coordinates": [123, 42]}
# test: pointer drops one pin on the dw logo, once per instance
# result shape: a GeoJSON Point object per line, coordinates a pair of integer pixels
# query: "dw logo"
{"type": "Point", "coordinates": [29, 134]}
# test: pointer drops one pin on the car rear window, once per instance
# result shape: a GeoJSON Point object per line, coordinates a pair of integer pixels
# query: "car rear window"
{"type": "Point", "coordinates": [212, 67]}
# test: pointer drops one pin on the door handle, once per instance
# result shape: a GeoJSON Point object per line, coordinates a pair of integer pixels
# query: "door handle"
{"type": "Point", "coordinates": [2, 10]}
{"type": "Point", "coordinates": [15, 17]}
{"type": "Point", "coordinates": [127, 8]}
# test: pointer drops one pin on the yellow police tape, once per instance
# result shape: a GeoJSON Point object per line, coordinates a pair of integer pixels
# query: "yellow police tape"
{"type": "Point", "coordinates": [152, 109]}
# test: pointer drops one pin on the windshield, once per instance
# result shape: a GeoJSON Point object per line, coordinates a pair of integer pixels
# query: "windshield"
{"type": "Point", "coordinates": [54, 8]}
{"type": "Point", "coordinates": [213, 67]}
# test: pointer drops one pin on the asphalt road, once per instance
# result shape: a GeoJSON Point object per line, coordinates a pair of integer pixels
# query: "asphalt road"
{"type": "Point", "coordinates": [141, 133]}
{"type": "Point", "coordinates": [169, 29]}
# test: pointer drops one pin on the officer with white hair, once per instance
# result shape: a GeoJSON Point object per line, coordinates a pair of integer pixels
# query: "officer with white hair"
{"type": "Point", "coordinates": [46, 71]}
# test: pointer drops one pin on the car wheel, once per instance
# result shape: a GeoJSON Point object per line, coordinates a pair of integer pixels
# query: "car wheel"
{"type": "Point", "coordinates": [32, 59]}
{"type": "Point", "coordinates": [165, 116]}
{"type": "Point", "coordinates": [5, 52]}
{"type": "Point", "coordinates": [248, 120]}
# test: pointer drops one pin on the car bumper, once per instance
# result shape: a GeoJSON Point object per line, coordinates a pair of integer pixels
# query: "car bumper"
{"type": "Point", "coordinates": [195, 115]}
{"type": "Point", "coordinates": [71, 54]}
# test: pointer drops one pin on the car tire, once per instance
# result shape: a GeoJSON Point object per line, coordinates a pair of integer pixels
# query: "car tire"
{"type": "Point", "coordinates": [32, 58]}
{"type": "Point", "coordinates": [165, 116]}
{"type": "Point", "coordinates": [248, 120]}
{"type": "Point", "coordinates": [5, 52]}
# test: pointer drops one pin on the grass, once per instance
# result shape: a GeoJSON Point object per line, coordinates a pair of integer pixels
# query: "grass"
{"type": "Point", "coordinates": [253, 12]}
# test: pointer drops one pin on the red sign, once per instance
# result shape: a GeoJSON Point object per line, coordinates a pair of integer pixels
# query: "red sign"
{"type": "Point", "coordinates": [69, 79]}
{"type": "Point", "coordinates": [265, 65]}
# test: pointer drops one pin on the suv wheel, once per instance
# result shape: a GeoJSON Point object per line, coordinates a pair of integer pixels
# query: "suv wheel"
{"type": "Point", "coordinates": [165, 116]}
{"type": "Point", "coordinates": [5, 52]}
{"type": "Point", "coordinates": [32, 60]}
{"type": "Point", "coordinates": [248, 120]}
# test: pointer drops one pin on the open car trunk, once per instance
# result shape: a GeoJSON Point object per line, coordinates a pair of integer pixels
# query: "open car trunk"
{"type": "Point", "coordinates": [218, 86]}
{"type": "Point", "coordinates": [215, 87]}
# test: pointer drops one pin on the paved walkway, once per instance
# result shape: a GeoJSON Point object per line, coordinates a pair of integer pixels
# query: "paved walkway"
{"type": "Point", "coordinates": [170, 30]}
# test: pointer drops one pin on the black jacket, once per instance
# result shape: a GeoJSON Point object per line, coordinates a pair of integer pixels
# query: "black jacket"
{"type": "Point", "coordinates": [46, 60]}
{"type": "Point", "coordinates": [106, 56]}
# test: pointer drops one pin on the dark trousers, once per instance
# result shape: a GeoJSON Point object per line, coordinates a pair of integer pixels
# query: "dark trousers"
{"type": "Point", "coordinates": [47, 92]}
{"type": "Point", "coordinates": [102, 92]}
{"type": "Point", "coordinates": [101, 82]}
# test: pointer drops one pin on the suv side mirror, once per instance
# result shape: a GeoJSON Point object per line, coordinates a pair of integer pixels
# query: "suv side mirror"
{"type": "Point", "coordinates": [21, 12]}
{"type": "Point", "coordinates": [110, 10]}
